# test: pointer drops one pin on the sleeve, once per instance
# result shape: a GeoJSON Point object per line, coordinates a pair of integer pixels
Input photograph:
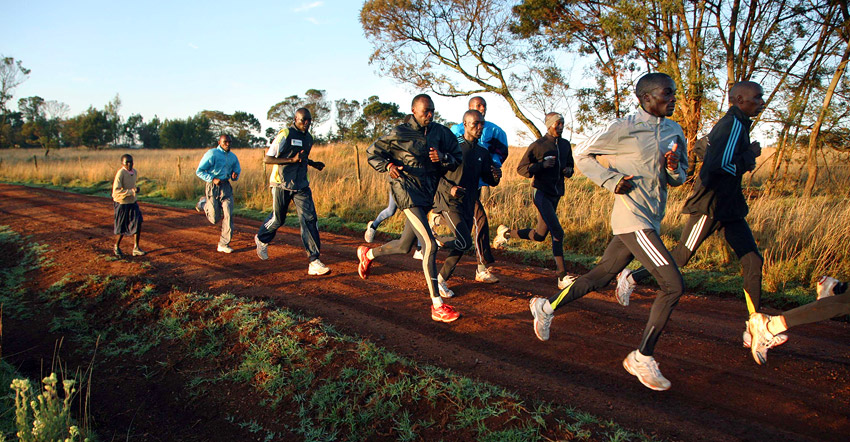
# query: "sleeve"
{"type": "Point", "coordinates": [119, 192]}
{"type": "Point", "coordinates": [529, 164]}
{"type": "Point", "coordinates": [677, 177]}
{"type": "Point", "coordinates": [452, 155]}
{"type": "Point", "coordinates": [457, 130]}
{"type": "Point", "coordinates": [236, 167]}
{"type": "Point", "coordinates": [205, 166]}
{"type": "Point", "coordinates": [603, 142]}
{"type": "Point", "coordinates": [499, 143]}
{"type": "Point", "coordinates": [277, 143]}
{"type": "Point", "coordinates": [725, 153]}
{"type": "Point", "coordinates": [378, 154]}
{"type": "Point", "coordinates": [569, 162]}
{"type": "Point", "coordinates": [487, 165]}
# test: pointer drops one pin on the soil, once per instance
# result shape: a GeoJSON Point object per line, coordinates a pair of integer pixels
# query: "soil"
{"type": "Point", "coordinates": [718, 391]}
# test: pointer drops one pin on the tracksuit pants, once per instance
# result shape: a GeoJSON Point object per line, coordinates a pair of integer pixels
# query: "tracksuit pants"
{"type": "Point", "coordinates": [306, 210]}
{"type": "Point", "coordinates": [645, 246]}
{"type": "Point", "coordinates": [459, 244]}
{"type": "Point", "coordinates": [819, 310]}
{"type": "Point", "coordinates": [481, 229]}
{"type": "Point", "coordinates": [219, 207]}
{"type": "Point", "coordinates": [386, 213]}
{"type": "Point", "coordinates": [739, 236]}
{"type": "Point", "coordinates": [416, 228]}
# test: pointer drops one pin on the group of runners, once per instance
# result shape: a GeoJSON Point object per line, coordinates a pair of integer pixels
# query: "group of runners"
{"type": "Point", "coordinates": [442, 176]}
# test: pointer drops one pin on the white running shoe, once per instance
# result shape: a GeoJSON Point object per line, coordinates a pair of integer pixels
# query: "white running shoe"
{"type": "Point", "coordinates": [445, 291]}
{"type": "Point", "coordinates": [200, 206]}
{"type": "Point", "coordinates": [542, 320]}
{"type": "Point", "coordinates": [757, 326]}
{"type": "Point", "coordinates": [486, 276]}
{"type": "Point", "coordinates": [625, 286]}
{"type": "Point", "coordinates": [826, 285]}
{"type": "Point", "coordinates": [262, 248]}
{"type": "Point", "coordinates": [502, 234]}
{"type": "Point", "coordinates": [418, 255]}
{"type": "Point", "coordinates": [369, 235]}
{"type": "Point", "coordinates": [316, 267]}
{"type": "Point", "coordinates": [647, 372]}
{"type": "Point", "coordinates": [566, 281]}
{"type": "Point", "coordinates": [775, 342]}
{"type": "Point", "coordinates": [224, 249]}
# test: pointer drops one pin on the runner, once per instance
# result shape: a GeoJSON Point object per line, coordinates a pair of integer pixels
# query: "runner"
{"type": "Point", "coordinates": [647, 153]}
{"type": "Point", "coordinates": [217, 168]}
{"type": "Point", "coordinates": [128, 217]}
{"type": "Point", "coordinates": [548, 161]}
{"type": "Point", "coordinates": [457, 195]}
{"type": "Point", "coordinates": [717, 201]}
{"type": "Point", "coordinates": [415, 155]}
{"type": "Point", "coordinates": [289, 152]}
{"type": "Point", "coordinates": [390, 210]}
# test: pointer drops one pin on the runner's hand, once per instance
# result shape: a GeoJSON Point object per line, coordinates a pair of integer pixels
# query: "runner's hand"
{"type": "Point", "coordinates": [755, 148]}
{"type": "Point", "coordinates": [234, 175]}
{"type": "Point", "coordinates": [394, 170]}
{"type": "Point", "coordinates": [624, 186]}
{"type": "Point", "coordinates": [672, 158]}
{"type": "Point", "coordinates": [458, 192]}
{"type": "Point", "coordinates": [434, 155]}
{"type": "Point", "coordinates": [497, 172]}
{"type": "Point", "coordinates": [549, 162]}
{"type": "Point", "coordinates": [216, 181]}
{"type": "Point", "coordinates": [318, 165]}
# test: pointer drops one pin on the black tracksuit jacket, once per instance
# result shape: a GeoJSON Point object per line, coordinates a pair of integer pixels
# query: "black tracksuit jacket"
{"type": "Point", "coordinates": [551, 180]}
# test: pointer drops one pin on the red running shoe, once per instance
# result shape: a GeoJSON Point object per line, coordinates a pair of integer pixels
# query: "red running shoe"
{"type": "Point", "coordinates": [365, 262]}
{"type": "Point", "coordinates": [444, 313]}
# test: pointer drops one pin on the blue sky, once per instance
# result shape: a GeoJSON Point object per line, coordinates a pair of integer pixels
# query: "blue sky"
{"type": "Point", "coordinates": [176, 58]}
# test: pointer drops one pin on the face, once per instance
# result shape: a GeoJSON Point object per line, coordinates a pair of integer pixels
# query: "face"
{"type": "Point", "coordinates": [127, 163]}
{"type": "Point", "coordinates": [423, 112]}
{"type": "Point", "coordinates": [556, 129]}
{"type": "Point", "coordinates": [480, 106]}
{"type": "Point", "coordinates": [303, 121]}
{"type": "Point", "coordinates": [473, 126]}
{"type": "Point", "coordinates": [224, 141]}
{"type": "Point", "coordinates": [750, 100]}
{"type": "Point", "coordinates": [661, 100]}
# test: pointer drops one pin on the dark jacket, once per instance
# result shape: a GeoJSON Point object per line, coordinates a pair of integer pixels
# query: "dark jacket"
{"type": "Point", "coordinates": [477, 164]}
{"type": "Point", "coordinates": [551, 180]}
{"type": "Point", "coordinates": [407, 145]}
{"type": "Point", "coordinates": [717, 192]}
{"type": "Point", "coordinates": [287, 144]}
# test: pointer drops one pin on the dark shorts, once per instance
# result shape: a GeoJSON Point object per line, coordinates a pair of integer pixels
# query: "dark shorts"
{"type": "Point", "coordinates": [128, 219]}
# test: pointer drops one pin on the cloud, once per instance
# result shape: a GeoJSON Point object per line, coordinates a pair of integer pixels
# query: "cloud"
{"type": "Point", "coordinates": [192, 45]}
{"type": "Point", "coordinates": [308, 6]}
{"type": "Point", "coordinates": [312, 20]}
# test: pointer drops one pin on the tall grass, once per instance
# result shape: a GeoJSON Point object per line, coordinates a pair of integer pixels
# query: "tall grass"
{"type": "Point", "coordinates": [800, 238]}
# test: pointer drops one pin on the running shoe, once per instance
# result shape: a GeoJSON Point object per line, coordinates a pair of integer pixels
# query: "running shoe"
{"type": "Point", "coordinates": [445, 291]}
{"type": "Point", "coordinates": [262, 248]}
{"type": "Point", "coordinates": [775, 342]}
{"type": "Point", "coordinates": [369, 235]}
{"type": "Point", "coordinates": [433, 220]}
{"type": "Point", "coordinates": [444, 313]}
{"type": "Point", "coordinates": [826, 286]}
{"type": "Point", "coordinates": [566, 281]}
{"type": "Point", "coordinates": [418, 255]}
{"type": "Point", "coordinates": [501, 237]}
{"type": "Point", "coordinates": [625, 286]}
{"type": "Point", "coordinates": [138, 252]}
{"type": "Point", "coordinates": [200, 205]}
{"type": "Point", "coordinates": [224, 249]}
{"type": "Point", "coordinates": [757, 326]}
{"type": "Point", "coordinates": [365, 262]}
{"type": "Point", "coordinates": [647, 372]}
{"type": "Point", "coordinates": [316, 267]}
{"type": "Point", "coordinates": [486, 276]}
{"type": "Point", "coordinates": [542, 320]}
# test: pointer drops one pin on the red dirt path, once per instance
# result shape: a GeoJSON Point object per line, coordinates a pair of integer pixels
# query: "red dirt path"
{"type": "Point", "coordinates": [718, 392]}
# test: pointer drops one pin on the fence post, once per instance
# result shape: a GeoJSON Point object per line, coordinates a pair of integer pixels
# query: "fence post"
{"type": "Point", "coordinates": [357, 162]}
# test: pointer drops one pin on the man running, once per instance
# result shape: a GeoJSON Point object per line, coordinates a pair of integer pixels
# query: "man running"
{"type": "Point", "coordinates": [646, 154]}
{"type": "Point", "coordinates": [289, 152]}
{"type": "Point", "coordinates": [495, 140]}
{"type": "Point", "coordinates": [548, 162]}
{"type": "Point", "coordinates": [218, 167]}
{"type": "Point", "coordinates": [833, 301]}
{"type": "Point", "coordinates": [415, 155]}
{"type": "Point", "coordinates": [457, 195]}
{"type": "Point", "coordinates": [717, 201]}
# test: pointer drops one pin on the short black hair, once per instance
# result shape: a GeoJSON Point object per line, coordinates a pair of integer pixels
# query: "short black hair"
{"type": "Point", "coordinates": [742, 85]}
{"type": "Point", "coordinates": [302, 111]}
{"type": "Point", "coordinates": [420, 97]}
{"type": "Point", "coordinates": [477, 98]}
{"type": "Point", "coordinates": [225, 136]}
{"type": "Point", "coordinates": [126, 157]}
{"type": "Point", "coordinates": [473, 113]}
{"type": "Point", "coordinates": [651, 81]}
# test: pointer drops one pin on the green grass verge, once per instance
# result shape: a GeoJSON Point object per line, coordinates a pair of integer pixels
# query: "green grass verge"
{"type": "Point", "coordinates": [321, 384]}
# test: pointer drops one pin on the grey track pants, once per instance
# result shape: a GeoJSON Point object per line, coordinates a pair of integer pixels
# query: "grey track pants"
{"type": "Point", "coordinates": [219, 207]}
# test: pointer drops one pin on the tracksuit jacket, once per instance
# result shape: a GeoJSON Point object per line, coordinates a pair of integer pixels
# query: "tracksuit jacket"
{"type": "Point", "coordinates": [477, 164]}
{"type": "Point", "coordinates": [548, 180]}
{"type": "Point", "coordinates": [408, 145]}
{"type": "Point", "coordinates": [636, 146]}
{"type": "Point", "coordinates": [717, 192]}
{"type": "Point", "coordinates": [216, 163]}
{"type": "Point", "coordinates": [287, 144]}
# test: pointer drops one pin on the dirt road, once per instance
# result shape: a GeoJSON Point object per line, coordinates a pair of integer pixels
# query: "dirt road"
{"type": "Point", "coordinates": [718, 392]}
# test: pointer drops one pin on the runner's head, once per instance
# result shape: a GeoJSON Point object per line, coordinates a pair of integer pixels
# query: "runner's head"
{"type": "Point", "coordinates": [127, 161]}
{"type": "Point", "coordinates": [473, 124]}
{"type": "Point", "coordinates": [422, 108]}
{"type": "Point", "coordinates": [303, 119]}
{"type": "Point", "coordinates": [224, 142]}
{"type": "Point", "coordinates": [477, 103]}
{"type": "Point", "coordinates": [554, 124]}
{"type": "Point", "coordinates": [657, 94]}
{"type": "Point", "coordinates": [747, 96]}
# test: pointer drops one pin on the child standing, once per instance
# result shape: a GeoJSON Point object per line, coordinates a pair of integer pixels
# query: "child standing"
{"type": "Point", "coordinates": [128, 217]}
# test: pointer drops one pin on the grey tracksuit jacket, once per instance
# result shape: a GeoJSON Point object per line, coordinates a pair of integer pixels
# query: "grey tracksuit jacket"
{"type": "Point", "coordinates": [635, 145]}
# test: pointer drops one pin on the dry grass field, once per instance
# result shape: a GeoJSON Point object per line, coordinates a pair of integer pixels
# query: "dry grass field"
{"type": "Point", "coordinates": [800, 238]}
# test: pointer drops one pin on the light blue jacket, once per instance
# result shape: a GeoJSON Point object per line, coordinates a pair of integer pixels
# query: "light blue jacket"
{"type": "Point", "coordinates": [216, 163]}
{"type": "Point", "coordinates": [635, 145]}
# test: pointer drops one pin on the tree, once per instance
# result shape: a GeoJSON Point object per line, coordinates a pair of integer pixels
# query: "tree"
{"type": "Point", "coordinates": [12, 74]}
{"type": "Point", "coordinates": [241, 126]}
{"type": "Point", "coordinates": [452, 47]}
{"type": "Point", "coordinates": [347, 113]}
{"type": "Point", "coordinates": [314, 100]}
{"type": "Point", "coordinates": [149, 133]}
{"type": "Point", "coordinates": [192, 132]}
{"type": "Point", "coordinates": [131, 127]}
{"type": "Point", "coordinates": [31, 108]}
{"type": "Point", "coordinates": [91, 128]}
{"type": "Point", "coordinates": [377, 119]}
